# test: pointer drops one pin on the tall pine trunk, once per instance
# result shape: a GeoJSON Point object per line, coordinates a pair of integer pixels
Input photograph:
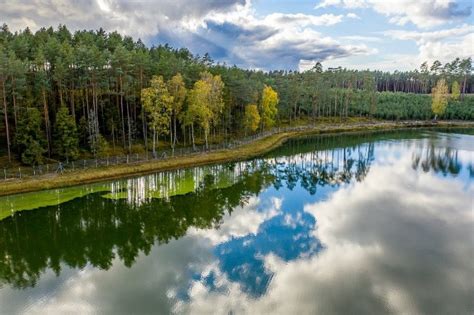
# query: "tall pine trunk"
{"type": "Point", "coordinates": [121, 111]}
{"type": "Point", "coordinates": [46, 120]}
{"type": "Point", "coordinates": [154, 142]}
{"type": "Point", "coordinates": [464, 87]}
{"type": "Point", "coordinates": [192, 136]}
{"type": "Point", "coordinates": [5, 114]}
{"type": "Point", "coordinates": [15, 109]}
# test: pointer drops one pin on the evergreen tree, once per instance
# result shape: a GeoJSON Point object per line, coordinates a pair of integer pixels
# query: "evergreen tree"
{"type": "Point", "coordinates": [29, 138]}
{"type": "Point", "coordinates": [4, 71]}
{"type": "Point", "coordinates": [67, 140]}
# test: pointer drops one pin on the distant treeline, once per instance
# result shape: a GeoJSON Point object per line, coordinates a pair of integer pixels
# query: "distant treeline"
{"type": "Point", "coordinates": [64, 94]}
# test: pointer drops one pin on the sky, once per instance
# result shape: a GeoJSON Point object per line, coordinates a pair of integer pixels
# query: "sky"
{"type": "Point", "coordinates": [384, 35]}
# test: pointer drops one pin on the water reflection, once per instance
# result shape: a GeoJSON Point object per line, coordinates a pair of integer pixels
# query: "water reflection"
{"type": "Point", "coordinates": [331, 225]}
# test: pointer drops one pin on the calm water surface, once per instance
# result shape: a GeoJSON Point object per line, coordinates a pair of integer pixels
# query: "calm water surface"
{"type": "Point", "coordinates": [356, 224]}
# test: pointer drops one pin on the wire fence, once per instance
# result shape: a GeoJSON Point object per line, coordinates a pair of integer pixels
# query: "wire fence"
{"type": "Point", "coordinates": [62, 167]}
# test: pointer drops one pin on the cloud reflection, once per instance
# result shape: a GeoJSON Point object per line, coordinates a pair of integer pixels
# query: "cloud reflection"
{"type": "Point", "coordinates": [398, 242]}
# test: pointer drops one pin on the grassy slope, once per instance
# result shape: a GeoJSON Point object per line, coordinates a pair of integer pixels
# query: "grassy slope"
{"type": "Point", "coordinates": [241, 153]}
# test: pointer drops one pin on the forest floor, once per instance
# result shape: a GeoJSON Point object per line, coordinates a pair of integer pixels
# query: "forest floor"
{"type": "Point", "coordinates": [243, 152]}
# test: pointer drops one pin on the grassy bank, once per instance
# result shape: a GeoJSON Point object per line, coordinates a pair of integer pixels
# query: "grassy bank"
{"type": "Point", "coordinates": [241, 153]}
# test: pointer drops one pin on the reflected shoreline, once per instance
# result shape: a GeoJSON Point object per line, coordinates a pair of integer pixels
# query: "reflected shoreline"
{"type": "Point", "coordinates": [341, 206]}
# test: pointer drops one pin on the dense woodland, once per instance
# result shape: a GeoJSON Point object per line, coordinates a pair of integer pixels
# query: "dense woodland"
{"type": "Point", "coordinates": [67, 95]}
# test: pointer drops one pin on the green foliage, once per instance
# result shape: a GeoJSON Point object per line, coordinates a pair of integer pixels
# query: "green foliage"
{"type": "Point", "coordinates": [101, 147]}
{"type": "Point", "coordinates": [158, 104]}
{"type": "Point", "coordinates": [198, 109]}
{"type": "Point", "coordinates": [455, 91]}
{"type": "Point", "coordinates": [269, 108]}
{"type": "Point", "coordinates": [67, 140]}
{"type": "Point", "coordinates": [251, 118]}
{"type": "Point", "coordinates": [29, 137]}
{"type": "Point", "coordinates": [206, 103]}
{"type": "Point", "coordinates": [439, 98]}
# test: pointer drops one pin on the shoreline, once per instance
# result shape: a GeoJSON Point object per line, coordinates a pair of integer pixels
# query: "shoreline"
{"type": "Point", "coordinates": [246, 151]}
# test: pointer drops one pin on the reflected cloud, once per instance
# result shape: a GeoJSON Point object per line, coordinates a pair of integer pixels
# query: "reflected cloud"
{"type": "Point", "coordinates": [119, 290]}
{"type": "Point", "coordinates": [397, 242]}
{"type": "Point", "coordinates": [244, 220]}
{"type": "Point", "coordinates": [316, 226]}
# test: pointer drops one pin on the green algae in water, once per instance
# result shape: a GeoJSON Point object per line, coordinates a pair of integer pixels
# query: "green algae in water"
{"type": "Point", "coordinates": [136, 190]}
{"type": "Point", "coordinates": [39, 199]}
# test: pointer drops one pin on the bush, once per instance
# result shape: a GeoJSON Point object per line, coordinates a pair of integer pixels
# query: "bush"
{"type": "Point", "coordinates": [137, 149]}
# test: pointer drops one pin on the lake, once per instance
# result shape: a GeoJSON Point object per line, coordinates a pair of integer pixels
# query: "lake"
{"type": "Point", "coordinates": [379, 223]}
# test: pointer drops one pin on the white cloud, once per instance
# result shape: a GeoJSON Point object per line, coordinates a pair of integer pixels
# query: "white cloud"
{"type": "Point", "coordinates": [424, 37]}
{"type": "Point", "coordinates": [360, 38]}
{"type": "Point", "coordinates": [385, 62]}
{"type": "Point", "coordinates": [302, 20]}
{"type": "Point", "coordinates": [425, 13]}
{"type": "Point", "coordinates": [241, 222]}
{"type": "Point", "coordinates": [353, 16]}
{"type": "Point", "coordinates": [443, 45]}
{"type": "Point", "coordinates": [137, 18]}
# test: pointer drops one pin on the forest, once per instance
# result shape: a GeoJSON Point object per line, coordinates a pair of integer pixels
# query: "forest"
{"type": "Point", "coordinates": [67, 95]}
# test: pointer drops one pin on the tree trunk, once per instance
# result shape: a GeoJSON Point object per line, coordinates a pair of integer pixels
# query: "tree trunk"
{"type": "Point", "coordinates": [73, 107]}
{"type": "Point", "coordinates": [129, 127]}
{"type": "Point", "coordinates": [5, 114]}
{"type": "Point", "coordinates": [145, 132]}
{"type": "Point", "coordinates": [61, 100]}
{"type": "Point", "coordinates": [192, 136]}
{"type": "Point", "coordinates": [15, 109]}
{"type": "Point", "coordinates": [144, 125]}
{"type": "Point", "coordinates": [113, 134]}
{"type": "Point", "coordinates": [464, 87]}
{"type": "Point", "coordinates": [171, 134]}
{"type": "Point", "coordinates": [121, 111]}
{"type": "Point", "coordinates": [154, 142]}
{"type": "Point", "coordinates": [175, 140]}
{"type": "Point", "coordinates": [46, 121]}
{"type": "Point", "coordinates": [184, 135]}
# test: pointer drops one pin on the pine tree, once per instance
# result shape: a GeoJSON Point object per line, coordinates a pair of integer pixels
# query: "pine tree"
{"type": "Point", "coordinates": [4, 71]}
{"type": "Point", "coordinates": [67, 140]}
{"type": "Point", "coordinates": [29, 138]}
